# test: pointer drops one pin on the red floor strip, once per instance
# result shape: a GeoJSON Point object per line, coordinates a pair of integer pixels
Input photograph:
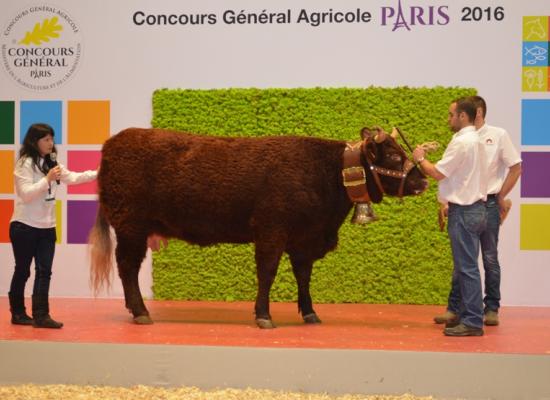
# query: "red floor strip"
{"type": "Point", "coordinates": [523, 330]}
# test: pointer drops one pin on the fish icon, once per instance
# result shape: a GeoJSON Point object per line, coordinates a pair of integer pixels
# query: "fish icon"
{"type": "Point", "coordinates": [536, 53]}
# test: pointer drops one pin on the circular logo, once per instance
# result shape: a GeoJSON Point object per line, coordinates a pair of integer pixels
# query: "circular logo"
{"type": "Point", "coordinates": [41, 47]}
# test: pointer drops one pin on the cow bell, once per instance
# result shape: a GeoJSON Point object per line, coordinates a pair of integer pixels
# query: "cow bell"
{"type": "Point", "coordinates": [363, 214]}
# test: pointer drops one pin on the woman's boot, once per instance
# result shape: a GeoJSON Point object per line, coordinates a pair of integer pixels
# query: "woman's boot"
{"type": "Point", "coordinates": [41, 313]}
{"type": "Point", "coordinates": [18, 313]}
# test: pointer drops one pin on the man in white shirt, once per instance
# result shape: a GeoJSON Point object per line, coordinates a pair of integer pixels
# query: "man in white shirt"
{"type": "Point", "coordinates": [462, 176]}
{"type": "Point", "coordinates": [504, 170]}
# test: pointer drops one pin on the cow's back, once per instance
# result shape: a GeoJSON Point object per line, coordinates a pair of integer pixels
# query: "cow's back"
{"type": "Point", "coordinates": [209, 189]}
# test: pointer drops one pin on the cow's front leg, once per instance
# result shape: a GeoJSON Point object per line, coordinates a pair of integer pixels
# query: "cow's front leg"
{"type": "Point", "coordinates": [268, 254]}
{"type": "Point", "coordinates": [130, 253]}
{"type": "Point", "coordinates": [302, 267]}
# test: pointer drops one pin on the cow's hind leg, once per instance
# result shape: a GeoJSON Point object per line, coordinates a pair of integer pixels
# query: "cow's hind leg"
{"type": "Point", "coordinates": [302, 267]}
{"type": "Point", "coordinates": [269, 250]}
{"type": "Point", "coordinates": [130, 252]}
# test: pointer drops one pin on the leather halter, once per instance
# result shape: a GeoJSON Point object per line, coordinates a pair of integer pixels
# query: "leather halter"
{"type": "Point", "coordinates": [407, 167]}
{"type": "Point", "coordinates": [355, 177]}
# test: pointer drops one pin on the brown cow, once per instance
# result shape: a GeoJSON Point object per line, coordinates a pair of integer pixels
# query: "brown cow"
{"type": "Point", "coordinates": [284, 193]}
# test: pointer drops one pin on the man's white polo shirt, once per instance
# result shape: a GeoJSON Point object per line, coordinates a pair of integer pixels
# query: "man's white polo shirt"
{"type": "Point", "coordinates": [501, 155]}
{"type": "Point", "coordinates": [465, 168]}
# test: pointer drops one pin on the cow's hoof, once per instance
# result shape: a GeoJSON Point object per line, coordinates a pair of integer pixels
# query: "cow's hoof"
{"type": "Point", "coordinates": [312, 319]}
{"type": "Point", "coordinates": [265, 323]}
{"type": "Point", "coordinates": [143, 320]}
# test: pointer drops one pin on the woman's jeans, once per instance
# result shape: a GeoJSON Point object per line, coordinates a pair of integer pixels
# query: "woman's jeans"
{"type": "Point", "coordinates": [489, 254]}
{"type": "Point", "coordinates": [28, 243]}
{"type": "Point", "coordinates": [466, 225]}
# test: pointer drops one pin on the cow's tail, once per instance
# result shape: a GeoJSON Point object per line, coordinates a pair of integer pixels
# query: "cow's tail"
{"type": "Point", "coordinates": [101, 253]}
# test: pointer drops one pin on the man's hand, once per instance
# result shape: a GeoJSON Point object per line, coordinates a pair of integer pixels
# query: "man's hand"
{"type": "Point", "coordinates": [504, 206]}
{"type": "Point", "coordinates": [427, 167]}
{"type": "Point", "coordinates": [442, 215]}
{"type": "Point", "coordinates": [418, 154]}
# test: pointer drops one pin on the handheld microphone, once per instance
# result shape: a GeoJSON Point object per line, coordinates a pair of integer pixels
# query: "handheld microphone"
{"type": "Point", "coordinates": [53, 163]}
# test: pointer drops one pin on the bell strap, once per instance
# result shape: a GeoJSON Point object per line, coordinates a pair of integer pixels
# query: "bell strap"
{"type": "Point", "coordinates": [354, 175]}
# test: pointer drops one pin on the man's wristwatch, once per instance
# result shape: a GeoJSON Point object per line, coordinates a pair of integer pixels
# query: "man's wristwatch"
{"type": "Point", "coordinates": [420, 160]}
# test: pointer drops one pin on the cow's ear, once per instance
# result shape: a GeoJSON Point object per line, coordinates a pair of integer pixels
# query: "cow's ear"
{"type": "Point", "coordinates": [365, 133]}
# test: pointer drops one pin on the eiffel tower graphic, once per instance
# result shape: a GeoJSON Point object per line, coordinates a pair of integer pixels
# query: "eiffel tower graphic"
{"type": "Point", "coordinates": [400, 21]}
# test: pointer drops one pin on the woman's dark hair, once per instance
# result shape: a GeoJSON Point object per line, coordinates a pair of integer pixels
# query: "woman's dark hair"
{"type": "Point", "coordinates": [30, 145]}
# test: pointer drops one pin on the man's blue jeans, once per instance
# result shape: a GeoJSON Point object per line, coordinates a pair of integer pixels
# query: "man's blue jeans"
{"type": "Point", "coordinates": [489, 253]}
{"type": "Point", "coordinates": [465, 226]}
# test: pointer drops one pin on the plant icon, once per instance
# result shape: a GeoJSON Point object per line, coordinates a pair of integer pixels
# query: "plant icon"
{"type": "Point", "coordinates": [42, 33]}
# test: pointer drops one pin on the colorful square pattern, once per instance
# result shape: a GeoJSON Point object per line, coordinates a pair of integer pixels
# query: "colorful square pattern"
{"type": "Point", "coordinates": [48, 112]}
{"type": "Point", "coordinates": [80, 219]}
{"type": "Point", "coordinates": [6, 211]}
{"type": "Point", "coordinates": [535, 131]}
{"type": "Point", "coordinates": [535, 179]}
{"type": "Point", "coordinates": [7, 122]}
{"type": "Point", "coordinates": [7, 163]}
{"type": "Point", "coordinates": [79, 161]}
{"type": "Point", "coordinates": [77, 122]}
{"type": "Point", "coordinates": [535, 227]}
{"type": "Point", "coordinates": [535, 57]}
{"type": "Point", "coordinates": [59, 221]}
{"type": "Point", "coordinates": [535, 122]}
{"type": "Point", "coordinates": [88, 122]}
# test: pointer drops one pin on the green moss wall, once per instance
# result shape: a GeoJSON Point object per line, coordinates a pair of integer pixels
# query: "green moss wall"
{"type": "Point", "coordinates": [402, 258]}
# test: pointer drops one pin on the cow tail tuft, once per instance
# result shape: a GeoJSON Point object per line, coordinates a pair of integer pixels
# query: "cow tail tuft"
{"type": "Point", "coordinates": [101, 253]}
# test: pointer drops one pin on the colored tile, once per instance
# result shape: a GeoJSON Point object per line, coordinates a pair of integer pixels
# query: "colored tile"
{"type": "Point", "coordinates": [80, 219]}
{"type": "Point", "coordinates": [88, 121]}
{"type": "Point", "coordinates": [535, 28]}
{"type": "Point", "coordinates": [48, 112]}
{"type": "Point", "coordinates": [59, 221]}
{"type": "Point", "coordinates": [79, 161]}
{"type": "Point", "coordinates": [535, 122]}
{"type": "Point", "coordinates": [534, 79]}
{"type": "Point", "coordinates": [6, 212]}
{"type": "Point", "coordinates": [535, 54]}
{"type": "Point", "coordinates": [535, 176]}
{"type": "Point", "coordinates": [535, 227]}
{"type": "Point", "coordinates": [7, 165]}
{"type": "Point", "coordinates": [7, 122]}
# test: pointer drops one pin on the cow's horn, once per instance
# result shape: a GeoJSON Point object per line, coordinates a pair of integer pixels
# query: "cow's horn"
{"type": "Point", "coordinates": [380, 136]}
{"type": "Point", "coordinates": [394, 133]}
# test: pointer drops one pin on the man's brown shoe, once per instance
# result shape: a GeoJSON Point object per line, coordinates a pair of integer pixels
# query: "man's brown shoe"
{"type": "Point", "coordinates": [463, 330]}
{"type": "Point", "coordinates": [448, 317]}
{"type": "Point", "coordinates": [491, 318]}
{"type": "Point", "coordinates": [452, 323]}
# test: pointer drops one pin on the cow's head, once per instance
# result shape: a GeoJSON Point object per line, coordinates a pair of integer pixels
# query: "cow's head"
{"type": "Point", "coordinates": [389, 168]}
